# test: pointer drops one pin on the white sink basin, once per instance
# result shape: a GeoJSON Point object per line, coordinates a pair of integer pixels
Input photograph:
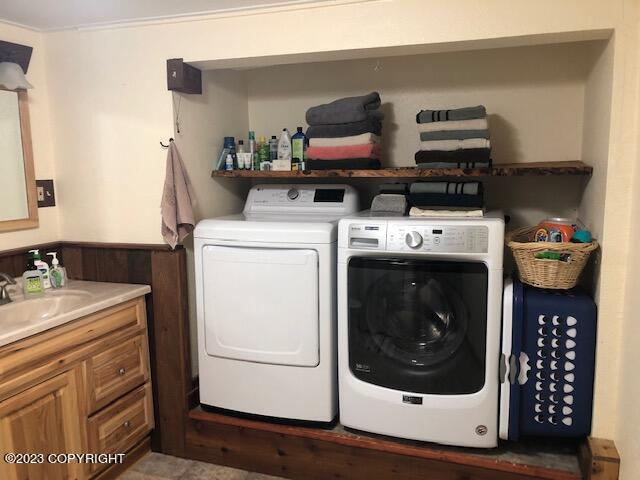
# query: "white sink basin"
{"type": "Point", "coordinates": [25, 317]}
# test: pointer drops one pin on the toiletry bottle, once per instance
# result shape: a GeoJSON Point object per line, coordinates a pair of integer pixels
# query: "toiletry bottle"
{"type": "Point", "coordinates": [42, 266]}
{"type": "Point", "coordinates": [273, 148]}
{"type": "Point", "coordinates": [263, 150]}
{"type": "Point", "coordinates": [298, 146]}
{"type": "Point", "coordinates": [32, 283]}
{"type": "Point", "coordinates": [57, 274]}
{"type": "Point", "coordinates": [229, 142]}
{"type": "Point", "coordinates": [284, 145]}
{"type": "Point", "coordinates": [255, 160]}
{"type": "Point", "coordinates": [229, 162]}
{"type": "Point", "coordinates": [232, 152]}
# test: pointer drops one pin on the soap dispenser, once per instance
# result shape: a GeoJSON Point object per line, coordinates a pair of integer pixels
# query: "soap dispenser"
{"type": "Point", "coordinates": [32, 283]}
{"type": "Point", "coordinates": [57, 274]}
{"type": "Point", "coordinates": [42, 266]}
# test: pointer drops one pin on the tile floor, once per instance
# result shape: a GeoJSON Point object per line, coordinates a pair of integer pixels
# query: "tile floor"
{"type": "Point", "coordinates": [156, 466]}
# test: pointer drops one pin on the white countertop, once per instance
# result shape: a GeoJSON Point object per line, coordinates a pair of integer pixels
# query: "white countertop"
{"type": "Point", "coordinates": [23, 318]}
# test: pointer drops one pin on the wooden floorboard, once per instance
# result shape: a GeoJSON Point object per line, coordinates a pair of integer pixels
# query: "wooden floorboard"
{"type": "Point", "coordinates": [316, 453]}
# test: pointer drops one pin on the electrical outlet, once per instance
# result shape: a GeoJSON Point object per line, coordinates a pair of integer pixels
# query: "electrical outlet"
{"type": "Point", "coordinates": [46, 193]}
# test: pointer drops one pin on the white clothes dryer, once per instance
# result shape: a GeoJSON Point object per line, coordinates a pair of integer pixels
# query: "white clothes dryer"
{"type": "Point", "coordinates": [266, 302]}
{"type": "Point", "coordinates": [419, 311]}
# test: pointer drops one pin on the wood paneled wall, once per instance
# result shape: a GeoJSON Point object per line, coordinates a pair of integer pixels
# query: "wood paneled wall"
{"type": "Point", "coordinates": [167, 314]}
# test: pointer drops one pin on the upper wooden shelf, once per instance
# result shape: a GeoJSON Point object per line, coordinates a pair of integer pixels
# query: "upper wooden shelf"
{"type": "Point", "coordinates": [499, 170]}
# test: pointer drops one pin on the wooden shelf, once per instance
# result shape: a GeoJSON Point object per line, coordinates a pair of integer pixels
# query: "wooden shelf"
{"type": "Point", "coordinates": [499, 170]}
{"type": "Point", "coordinates": [318, 453]}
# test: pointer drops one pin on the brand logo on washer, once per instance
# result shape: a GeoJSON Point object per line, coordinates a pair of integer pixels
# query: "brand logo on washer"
{"type": "Point", "coordinates": [481, 430]}
{"type": "Point", "coordinates": [412, 399]}
{"type": "Point", "coordinates": [363, 367]}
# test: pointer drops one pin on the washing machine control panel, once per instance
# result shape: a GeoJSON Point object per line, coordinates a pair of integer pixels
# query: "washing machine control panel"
{"type": "Point", "coordinates": [437, 238]}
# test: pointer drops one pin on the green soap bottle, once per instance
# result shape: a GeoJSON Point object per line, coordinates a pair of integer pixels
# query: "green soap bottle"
{"type": "Point", "coordinates": [32, 283]}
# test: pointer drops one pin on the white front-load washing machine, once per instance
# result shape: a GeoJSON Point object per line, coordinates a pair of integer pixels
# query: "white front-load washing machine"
{"type": "Point", "coordinates": [419, 311]}
{"type": "Point", "coordinates": [266, 302]}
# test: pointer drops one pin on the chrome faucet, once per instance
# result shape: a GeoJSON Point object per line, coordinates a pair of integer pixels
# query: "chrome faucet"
{"type": "Point", "coordinates": [4, 281]}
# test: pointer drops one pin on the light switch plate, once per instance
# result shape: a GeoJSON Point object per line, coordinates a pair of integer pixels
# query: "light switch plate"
{"type": "Point", "coordinates": [46, 193]}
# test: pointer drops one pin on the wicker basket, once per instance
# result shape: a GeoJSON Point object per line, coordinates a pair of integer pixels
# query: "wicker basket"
{"type": "Point", "coordinates": [547, 273]}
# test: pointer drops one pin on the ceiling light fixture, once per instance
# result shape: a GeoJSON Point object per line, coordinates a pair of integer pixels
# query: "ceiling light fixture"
{"type": "Point", "coordinates": [12, 77]}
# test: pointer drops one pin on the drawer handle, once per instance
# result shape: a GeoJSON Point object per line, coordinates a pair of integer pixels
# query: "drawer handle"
{"type": "Point", "coordinates": [126, 424]}
{"type": "Point", "coordinates": [121, 371]}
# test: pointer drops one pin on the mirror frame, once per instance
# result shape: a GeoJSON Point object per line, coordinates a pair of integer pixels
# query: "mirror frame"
{"type": "Point", "coordinates": [29, 174]}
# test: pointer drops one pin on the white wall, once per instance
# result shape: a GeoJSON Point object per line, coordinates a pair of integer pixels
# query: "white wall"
{"type": "Point", "coordinates": [41, 137]}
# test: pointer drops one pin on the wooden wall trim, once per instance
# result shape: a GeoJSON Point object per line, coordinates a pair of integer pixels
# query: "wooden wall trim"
{"type": "Point", "coordinates": [599, 459]}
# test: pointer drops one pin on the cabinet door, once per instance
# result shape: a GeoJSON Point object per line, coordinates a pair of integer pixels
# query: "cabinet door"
{"type": "Point", "coordinates": [43, 419]}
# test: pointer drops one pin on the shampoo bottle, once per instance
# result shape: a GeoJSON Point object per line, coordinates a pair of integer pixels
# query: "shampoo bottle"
{"type": "Point", "coordinates": [284, 145]}
{"type": "Point", "coordinates": [57, 274]}
{"type": "Point", "coordinates": [42, 266]}
{"type": "Point", "coordinates": [32, 279]}
{"type": "Point", "coordinates": [298, 146]}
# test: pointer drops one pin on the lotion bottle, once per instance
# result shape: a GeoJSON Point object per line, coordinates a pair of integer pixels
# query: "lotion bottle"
{"type": "Point", "coordinates": [284, 145]}
{"type": "Point", "coordinates": [57, 274]}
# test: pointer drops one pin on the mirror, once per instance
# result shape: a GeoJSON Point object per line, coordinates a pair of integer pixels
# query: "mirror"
{"type": "Point", "coordinates": [18, 202]}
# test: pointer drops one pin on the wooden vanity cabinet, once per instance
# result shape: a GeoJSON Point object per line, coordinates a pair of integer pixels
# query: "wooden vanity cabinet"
{"type": "Point", "coordinates": [83, 387]}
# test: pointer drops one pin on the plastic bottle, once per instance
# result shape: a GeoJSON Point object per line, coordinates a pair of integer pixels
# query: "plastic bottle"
{"type": "Point", "coordinates": [229, 143]}
{"type": "Point", "coordinates": [298, 146]}
{"type": "Point", "coordinates": [263, 150]}
{"type": "Point", "coordinates": [255, 159]}
{"type": "Point", "coordinates": [273, 148]}
{"type": "Point", "coordinates": [284, 145]}
{"type": "Point", "coordinates": [42, 266]}
{"type": "Point", "coordinates": [32, 283]}
{"type": "Point", "coordinates": [229, 162]}
{"type": "Point", "coordinates": [57, 274]}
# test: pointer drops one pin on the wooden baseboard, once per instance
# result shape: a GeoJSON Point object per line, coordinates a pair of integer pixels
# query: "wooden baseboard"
{"type": "Point", "coordinates": [132, 456]}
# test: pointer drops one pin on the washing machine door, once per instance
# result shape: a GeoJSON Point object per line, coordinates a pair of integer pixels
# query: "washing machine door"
{"type": "Point", "coordinates": [418, 325]}
{"type": "Point", "coordinates": [261, 304]}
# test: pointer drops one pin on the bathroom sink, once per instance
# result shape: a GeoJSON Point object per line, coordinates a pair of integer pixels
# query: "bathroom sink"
{"type": "Point", "coordinates": [41, 308]}
{"type": "Point", "coordinates": [24, 317]}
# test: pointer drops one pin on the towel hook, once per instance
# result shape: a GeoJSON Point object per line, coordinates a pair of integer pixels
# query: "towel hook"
{"type": "Point", "coordinates": [166, 146]}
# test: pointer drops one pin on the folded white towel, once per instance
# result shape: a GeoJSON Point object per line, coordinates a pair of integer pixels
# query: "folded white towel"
{"type": "Point", "coordinates": [361, 139]}
{"type": "Point", "coordinates": [475, 124]}
{"type": "Point", "coordinates": [419, 212]}
{"type": "Point", "coordinates": [448, 145]}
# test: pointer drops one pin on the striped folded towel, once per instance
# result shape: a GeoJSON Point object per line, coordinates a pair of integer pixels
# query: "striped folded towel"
{"type": "Point", "coordinates": [345, 141]}
{"type": "Point", "coordinates": [449, 145]}
{"type": "Point", "coordinates": [368, 150]}
{"type": "Point", "coordinates": [465, 113]}
{"type": "Point", "coordinates": [474, 124]}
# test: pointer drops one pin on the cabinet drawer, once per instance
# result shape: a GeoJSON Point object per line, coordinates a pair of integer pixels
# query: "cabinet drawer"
{"type": "Point", "coordinates": [116, 371]}
{"type": "Point", "coordinates": [120, 426]}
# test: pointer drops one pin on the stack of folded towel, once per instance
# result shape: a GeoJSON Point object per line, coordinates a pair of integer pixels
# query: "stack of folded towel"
{"type": "Point", "coordinates": [345, 134]}
{"type": "Point", "coordinates": [454, 138]}
{"type": "Point", "coordinates": [446, 194]}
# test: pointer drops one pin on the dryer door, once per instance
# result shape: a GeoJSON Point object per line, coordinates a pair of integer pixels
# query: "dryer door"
{"type": "Point", "coordinates": [261, 304]}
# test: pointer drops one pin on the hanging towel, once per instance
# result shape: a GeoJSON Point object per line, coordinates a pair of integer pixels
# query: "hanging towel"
{"type": "Point", "coordinates": [449, 145]}
{"type": "Point", "coordinates": [368, 125]}
{"type": "Point", "coordinates": [345, 141]}
{"type": "Point", "coordinates": [453, 135]}
{"type": "Point", "coordinates": [177, 200]}
{"type": "Point", "coordinates": [466, 113]}
{"type": "Point", "coordinates": [345, 110]}
{"type": "Point", "coordinates": [474, 124]}
{"type": "Point", "coordinates": [452, 188]}
{"type": "Point", "coordinates": [368, 150]}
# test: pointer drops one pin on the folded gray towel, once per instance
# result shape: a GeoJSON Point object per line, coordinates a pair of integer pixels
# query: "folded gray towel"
{"type": "Point", "coordinates": [393, 188]}
{"type": "Point", "coordinates": [389, 203]}
{"type": "Point", "coordinates": [368, 125]}
{"type": "Point", "coordinates": [466, 188]}
{"type": "Point", "coordinates": [345, 110]}
{"type": "Point", "coordinates": [466, 113]}
{"type": "Point", "coordinates": [453, 135]}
